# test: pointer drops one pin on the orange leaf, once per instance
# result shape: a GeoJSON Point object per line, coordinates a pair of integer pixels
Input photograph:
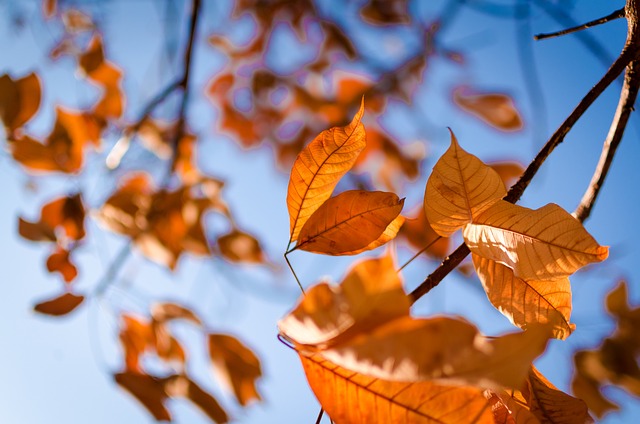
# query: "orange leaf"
{"type": "Point", "coordinates": [551, 405]}
{"type": "Point", "coordinates": [508, 171]}
{"type": "Point", "coordinates": [386, 12]}
{"type": "Point", "coordinates": [319, 167]}
{"type": "Point", "coordinates": [459, 189]}
{"type": "Point", "coordinates": [238, 246]}
{"type": "Point", "coordinates": [35, 231]}
{"type": "Point", "coordinates": [543, 244]}
{"type": "Point", "coordinates": [236, 365]}
{"type": "Point", "coordinates": [496, 110]}
{"type": "Point", "coordinates": [182, 386]}
{"type": "Point", "coordinates": [349, 222]}
{"type": "Point", "coordinates": [59, 261]}
{"type": "Point", "coordinates": [508, 410]}
{"type": "Point", "coordinates": [60, 305]}
{"type": "Point", "coordinates": [419, 234]}
{"type": "Point", "coordinates": [49, 8]}
{"type": "Point", "coordinates": [352, 398]}
{"type": "Point", "coordinates": [168, 311]}
{"type": "Point", "coordinates": [75, 21]}
{"type": "Point", "coordinates": [526, 302]}
{"type": "Point", "coordinates": [387, 235]}
{"type": "Point", "coordinates": [19, 100]}
{"type": "Point", "coordinates": [148, 390]}
{"type": "Point", "coordinates": [135, 337]}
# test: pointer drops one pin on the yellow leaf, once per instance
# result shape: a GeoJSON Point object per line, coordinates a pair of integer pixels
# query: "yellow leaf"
{"type": "Point", "coordinates": [349, 222]}
{"type": "Point", "coordinates": [551, 405]}
{"type": "Point", "coordinates": [352, 398]}
{"type": "Point", "coordinates": [543, 244]}
{"type": "Point", "coordinates": [526, 302]}
{"type": "Point", "coordinates": [495, 109]}
{"type": "Point", "coordinates": [459, 189]}
{"type": "Point", "coordinates": [319, 167]}
{"type": "Point", "coordinates": [388, 234]}
{"type": "Point", "coordinates": [508, 410]}
{"type": "Point", "coordinates": [236, 365]}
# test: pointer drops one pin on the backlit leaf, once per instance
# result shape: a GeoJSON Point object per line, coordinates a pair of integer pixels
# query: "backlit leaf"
{"type": "Point", "coordinates": [459, 189]}
{"type": "Point", "coordinates": [148, 390]}
{"type": "Point", "coordinates": [508, 410]}
{"type": "Point", "coordinates": [352, 398]}
{"type": "Point", "coordinates": [543, 244]}
{"type": "Point", "coordinates": [319, 167]}
{"type": "Point", "coordinates": [236, 365]}
{"type": "Point", "coordinates": [497, 110]}
{"type": "Point", "coordinates": [349, 222]}
{"type": "Point", "coordinates": [19, 100]}
{"type": "Point", "coordinates": [526, 302]}
{"type": "Point", "coordinates": [387, 235]}
{"type": "Point", "coordinates": [181, 386]}
{"type": "Point", "coordinates": [238, 246]}
{"type": "Point", "coordinates": [35, 231]}
{"type": "Point", "coordinates": [551, 405]}
{"type": "Point", "coordinates": [60, 305]}
{"type": "Point", "coordinates": [59, 261]}
{"type": "Point", "coordinates": [419, 234]}
{"type": "Point", "coordinates": [169, 311]}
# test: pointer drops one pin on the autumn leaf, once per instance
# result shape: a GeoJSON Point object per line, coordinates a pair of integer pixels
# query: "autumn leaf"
{"type": "Point", "coordinates": [319, 167]}
{"type": "Point", "coordinates": [352, 398]}
{"type": "Point", "coordinates": [419, 234]}
{"type": "Point", "coordinates": [509, 410]}
{"type": "Point", "coordinates": [149, 391]}
{"type": "Point", "coordinates": [182, 386]}
{"type": "Point", "coordinates": [65, 213]}
{"type": "Point", "coordinates": [543, 244]}
{"type": "Point", "coordinates": [364, 325]}
{"type": "Point", "coordinates": [349, 222]}
{"type": "Point", "coordinates": [459, 189]}
{"type": "Point", "coordinates": [236, 366]}
{"type": "Point", "coordinates": [497, 110]}
{"type": "Point", "coordinates": [238, 246]}
{"type": "Point", "coordinates": [59, 261]}
{"type": "Point", "coordinates": [508, 171]}
{"type": "Point", "coordinates": [386, 12]}
{"type": "Point", "coordinates": [526, 302]}
{"type": "Point", "coordinates": [19, 100]}
{"type": "Point", "coordinates": [169, 311]}
{"type": "Point", "coordinates": [60, 305]}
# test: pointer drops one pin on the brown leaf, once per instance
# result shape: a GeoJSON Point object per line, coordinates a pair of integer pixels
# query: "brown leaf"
{"type": "Point", "coordinates": [19, 100]}
{"type": "Point", "coordinates": [183, 386]}
{"type": "Point", "coordinates": [526, 302]}
{"type": "Point", "coordinates": [49, 8]}
{"type": "Point", "coordinates": [319, 167]}
{"type": "Point", "coordinates": [64, 213]}
{"type": "Point", "coordinates": [386, 12]}
{"type": "Point", "coordinates": [497, 110]}
{"type": "Point", "coordinates": [76, 21]}
{"type": "Point", "coordinates": [59, 261]}
{"type": "Point", "coordinates": [543, 244]}
{"type": "Point", "coordinates": [35, 231]}
{"type": "Point", "coordinates": [508, 410]}
{"type": "Point", "coordinates": [169, 311]}
{"type": "Point", "coordinates": [136, 336]}
{"type": "Point", "coordinates": [419, 234]}
{"type": "Point", "coordinates": [352, 398]}
{"type": "Point", "coordinates": [551, 405]}
{"type": "Point", "coordinates": [459, 189]}
{"type": "Point", "coordinates": [349, 222]}
{"type": "Point", "coordinates": [236, 365]}
{"type": "Point", "coordinates": [508, 171]}
{"type": "Point", "coordinates": [238, 246]}
{"type": "Point", "coordinates": [148, 390]}
{"type": "Point", "coordinates": [60, 305]}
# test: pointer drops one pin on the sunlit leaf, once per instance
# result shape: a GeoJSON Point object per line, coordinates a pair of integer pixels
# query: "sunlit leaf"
{"type": "Point", "coordinates": [459, 189]}
{"type": "Point", "coordinates": [182, 386]}
{"type": "Point", "coordinates": [59, 261]}
{"type": "Point", "coordinates": [387, 235]}
{"type": "Point", "coordinates": [349, 222]}
{"type": "Point", "coordinates": [35, 231]}
{"type": "Point", "coordinates": [508, 410]}
{"type": "Point", "coordinates": [169, 311]}
{"type": "Point", "coordinates": [149, 391]}
{"type": "Point", "coordinates": [60, 305]}
{"type": "Point", "coordinates": [551, 405]}
{"type": "Point", "coordinates": [135, 337]}
{"type": "Point", "coordinates": [319, 167]}
{"type": "Point", "coordinates": [352, 398]}
{"type": "Point", "coordinates": [238, 246]}
{"type": "Point", "coordinates": [76, 21]}
{"type": "Point", "coordinates": [19, 100]}
{"type": "Point", "coordinates": [526, 302]}
{"type": "Point", "coordinates": [236, 366]}
{"type": "Point", "coordinates": [497, 110]}
{"type": "Point", "coordinates": [543, 244]}
{"type": "Point", "coordinates": [508, 171]}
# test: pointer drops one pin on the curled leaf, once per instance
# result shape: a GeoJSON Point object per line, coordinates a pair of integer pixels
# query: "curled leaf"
{"type": "Point", "coordinates": [350, 222]}
{"type": "Point", "coordinates": [459, 189]}
{"type": "Point", "coordinates": [543, 244]}
{"type": "Point", "coordinates": [319, 167]}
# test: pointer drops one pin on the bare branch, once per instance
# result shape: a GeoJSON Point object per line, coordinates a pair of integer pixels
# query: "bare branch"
{"type": "Point", "coordinates": [615, 15]}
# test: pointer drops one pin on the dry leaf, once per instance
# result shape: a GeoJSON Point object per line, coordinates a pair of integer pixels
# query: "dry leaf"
{"type": "Point", "coordinates": [65, 213]}
{"type": "Point", "coordinates": [60, 305]}
{"type": "Point", "coordinates": [508, 171]}
{"type": "Point", "coordinates": [59, 261]}
{"type": "Point", "coordinates": [349, 222]}
{"type": "Point", "coordinates": [238, 246]}
{"type": "Point", "coordinates": [149, 391]}
{"type": "Point", "coordinates": [386, 12]}
{"type": "Point", "coordinates": [543, 244]}
{"type": "Point", "coordinates": [459, 189]}
{"type": "Point", "coordinates": [551, 405]}
{"type": "Point", "coordinates": [76, 21]}
{"type": "Point", "coordinates": [496, 110]}
{"type": "Point", "coordinates": [526, 302]}
{"type": "Point", "coordinates": [236, 366]}
{"type": "Point", "coordinates": [419, 234]}
{"type": "Point", "coordinates": [182, 386]}
{"type": "Point", "coordinates": [19, 100]}
{"type": "Point", "coordinates": [352, 398]}
{"type": "Point", "coordinates": [169, 311]}
{"type": "Point", "coordinates": [319, 167]}
{"type": "Point", "coordinates": [508, 410]}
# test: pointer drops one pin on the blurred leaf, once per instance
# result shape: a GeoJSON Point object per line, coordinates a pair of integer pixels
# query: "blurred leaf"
{"type": "Point", "coordinates": [319, 167]}
{"type": "Point", "coordinates": [236, 365]}
{"type": "Point", "coordinates": [496, 110]}
{"type": "Point", "coordinates": [238, 246]}
{"type": "Point", "coordinates": [135, 337]}
{"type": "Point", "coordinates": [419, 234]}
{"type": "Point", "coordinates": [551, 405]}
{"type": "Point", "coordinates": [543, 244]}
{"type": "Point", "coordinates": [59, 261]}
{"type": "Point", "coordinates": [35, 231]}
{"type": "Point", "coordinates": [49, 8]}
{"type": "Point", "coordinates": [19, 100]}
{"type": "Point", "coordinates": [148, 390]}
{"type": "Point", "coordinates": [386, 12]}
{"type": "Point", "coordinates": [76, 21]}
{"type": "Point", "coordinates": [459, 189]}
{"type": "Point", "coordinates": [526, 302]}
{"type": "Point", "coordinates": [169, 311]}
{"type": "Point", "coordinates": [349, 222]}
{"type": "Point", "coordinates": [188, 389]}
{"type": "Point", "coordinates": [60, 305]}
{"type": "Point", "coordinates": [64, 213]}
{"type": "Point", "coordinates": [508, 171]}
{"type": "Point", "coordinates": [352, 398]}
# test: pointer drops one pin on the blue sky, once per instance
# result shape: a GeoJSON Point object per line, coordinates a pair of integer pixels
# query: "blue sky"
{"type": "Point", "coordinates": [59, 370]}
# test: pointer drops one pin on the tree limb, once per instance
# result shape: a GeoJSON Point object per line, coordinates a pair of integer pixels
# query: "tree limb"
{"type": "Point", "coordinates": [615, 15]}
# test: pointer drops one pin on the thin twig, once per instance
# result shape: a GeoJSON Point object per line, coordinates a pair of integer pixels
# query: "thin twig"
{"type": "Point", "coordinates": [515, 192]}
{"type": "Point", "coordinates": [420, 252]}
{"type": "Point", "coordinates": [293, 272]}
{"type": "Point", "coordinates": [114, 267]}
{"type": "Point", "coordinates": [153, 103]}
{"type": "Point", "coordinates": [615, 15]}
{"type": "Point", "coordinates": [320, 416]}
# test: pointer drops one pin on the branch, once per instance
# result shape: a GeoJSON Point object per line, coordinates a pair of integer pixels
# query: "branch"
{"type": "Point", "coordinates": [615, 15]}
{"type": "Point", "coordinates": [629, 52]}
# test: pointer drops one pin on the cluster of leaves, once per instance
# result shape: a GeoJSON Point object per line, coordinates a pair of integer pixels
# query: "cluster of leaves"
{"type": "Point", "coordinates": [366, 357]}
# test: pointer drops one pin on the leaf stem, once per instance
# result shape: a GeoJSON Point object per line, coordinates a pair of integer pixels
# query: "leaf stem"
{"type": "Point", "coordinates": [293, 272]}
{"type": "Point", "coordinates": [420, 252]}
{"type": "Point", "coordinates": [615, 15]}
